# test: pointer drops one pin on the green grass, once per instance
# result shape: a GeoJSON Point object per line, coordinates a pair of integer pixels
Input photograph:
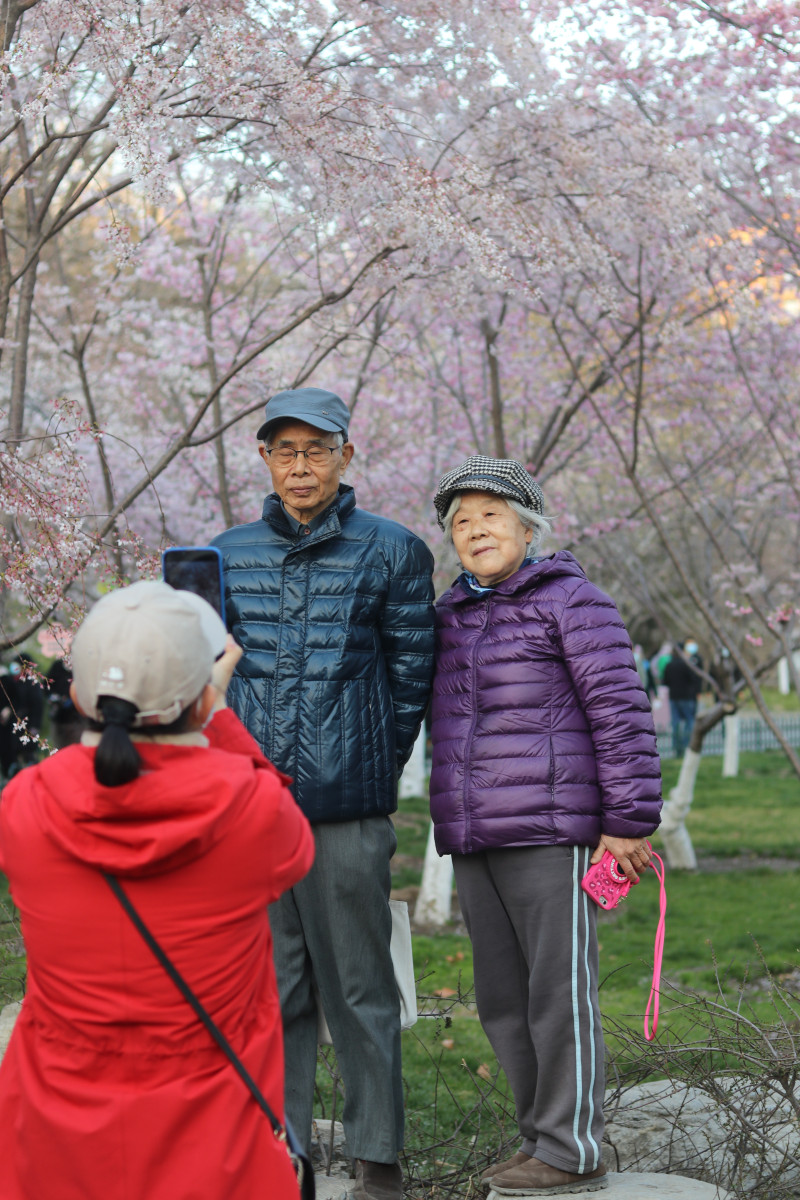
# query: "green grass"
{"type": "Point", "coordinates": [727, 926]}
{"type": "Point", "coordinates": [756, 813]}
{"type": "Point", "coordinates": [411, 824]}
{"type": "Point", "coordinates": [12, 958]}
{"type": "Point", "coordinates": [722, 930]}
{"type": "Point", "coordinates": [717, 916]}
{"type": "Point", "coordinates": [774, 700]}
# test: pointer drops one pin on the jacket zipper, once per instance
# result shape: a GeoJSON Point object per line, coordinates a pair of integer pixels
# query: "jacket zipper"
{"type": "Point", "coordinates": [473, 723]}
{"type": "Point", "coordinates": [296, 548]}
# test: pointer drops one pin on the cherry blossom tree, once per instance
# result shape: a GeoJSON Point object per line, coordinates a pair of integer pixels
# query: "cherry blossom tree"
{"type": "Point", "coordinates": [564, 233]}
{"type": "Point", "coordinates": [370, 144]}
{"type": "Point", "coordinates": [666, 400]}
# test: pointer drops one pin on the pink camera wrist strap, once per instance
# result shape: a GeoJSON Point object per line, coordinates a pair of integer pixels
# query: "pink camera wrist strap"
{"type": "Point", "coordinates": [658, 951]}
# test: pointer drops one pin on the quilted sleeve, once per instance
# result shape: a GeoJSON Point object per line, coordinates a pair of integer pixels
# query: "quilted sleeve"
{"type": "Point", "coordinates": [407, 641]}
{"type": "Point", "coordinates": [598, 655]}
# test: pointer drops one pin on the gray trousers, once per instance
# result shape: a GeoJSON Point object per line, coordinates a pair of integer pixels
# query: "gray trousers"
{"type": "Point", "coordinates": [334, 929]}
{"type": "Point", "coordinates": [534, 939]}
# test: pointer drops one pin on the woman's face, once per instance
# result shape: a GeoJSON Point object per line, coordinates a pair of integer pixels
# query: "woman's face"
{"type": "Point", "coordinates": [489, 537]}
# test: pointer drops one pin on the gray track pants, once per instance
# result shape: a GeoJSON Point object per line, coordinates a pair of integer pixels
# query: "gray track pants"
{"type": "Point", "coordinates": [334, 927]}
{"type": "Point", "coordinates": [534, 940]}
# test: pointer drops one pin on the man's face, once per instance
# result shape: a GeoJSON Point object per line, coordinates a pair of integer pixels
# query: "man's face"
{"type": "Point", "coordinates": [305, 487]}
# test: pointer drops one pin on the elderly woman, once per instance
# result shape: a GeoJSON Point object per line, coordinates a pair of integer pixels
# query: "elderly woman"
{"type": "Point", "coordinates": [544, 756]}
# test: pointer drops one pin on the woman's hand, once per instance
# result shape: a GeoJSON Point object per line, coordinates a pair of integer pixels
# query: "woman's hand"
{"type": "Point", "coordinates": [632, 854]}
{"type": "Point", "coordinates": [223, 669]}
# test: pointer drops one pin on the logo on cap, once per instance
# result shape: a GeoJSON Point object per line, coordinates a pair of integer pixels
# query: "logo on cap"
{"type": "Point", "coordinates": [113, 675]}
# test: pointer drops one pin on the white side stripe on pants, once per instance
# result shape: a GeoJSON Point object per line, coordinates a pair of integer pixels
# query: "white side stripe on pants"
{"type": "Point", "coordinates": [580, 901]}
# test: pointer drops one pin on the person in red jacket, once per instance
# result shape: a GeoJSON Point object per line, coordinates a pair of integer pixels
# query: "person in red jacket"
{"type": "Point", "coordinates": [111, 1088]}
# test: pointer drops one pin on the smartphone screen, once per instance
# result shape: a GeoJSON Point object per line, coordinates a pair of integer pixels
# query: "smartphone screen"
{"type": "Point", "coordinates": [195, 569]}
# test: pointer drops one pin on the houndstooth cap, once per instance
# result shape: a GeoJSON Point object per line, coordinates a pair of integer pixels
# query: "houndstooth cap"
{"type": "Point", "coordinates": [503, 476]}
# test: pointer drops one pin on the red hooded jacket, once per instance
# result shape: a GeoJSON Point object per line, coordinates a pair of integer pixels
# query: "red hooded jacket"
{"type": "Point", "coordinates": [110, 1088]}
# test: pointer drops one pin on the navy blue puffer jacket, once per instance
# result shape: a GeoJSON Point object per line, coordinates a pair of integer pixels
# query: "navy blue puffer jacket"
{"type": "Point", "coordinates": [542, 732]}
{"type": "Point", "coordinates": [337, 632]}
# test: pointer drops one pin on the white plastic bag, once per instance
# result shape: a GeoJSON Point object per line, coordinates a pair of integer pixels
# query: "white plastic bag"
{"type": "Point", "coordinates": [403, 960]}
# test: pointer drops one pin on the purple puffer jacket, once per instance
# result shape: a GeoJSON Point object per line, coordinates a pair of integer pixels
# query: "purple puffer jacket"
{"type": "Point", "coordinates": [542, 732]}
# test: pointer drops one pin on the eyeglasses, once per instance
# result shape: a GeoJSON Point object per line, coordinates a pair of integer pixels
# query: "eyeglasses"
{"type": "Point", "coordinates": [319, 455]}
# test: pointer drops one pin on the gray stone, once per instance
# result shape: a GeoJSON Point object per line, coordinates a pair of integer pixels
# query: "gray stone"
{"type": "Point", "coordinates": [743, 1136]}
{"type": "Point", "coordinates": [7, 1018]}
{"type": "Point", "coordinates": [664, 1127]}
{"type": "Point", "coordinates": [331, 1158]}
{"type": "Point", "coordinates": [321, 1139]}
{"type": "Point", "coordinates": [331, 1187]}
{"type": "Point", "coordinates": [336, 1183]}
{"type": "Point", "coordinates": [630, 1185]}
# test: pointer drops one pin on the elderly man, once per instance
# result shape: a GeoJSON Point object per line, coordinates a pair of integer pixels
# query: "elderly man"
{"type": "Point", "coordinates": [333, 608]}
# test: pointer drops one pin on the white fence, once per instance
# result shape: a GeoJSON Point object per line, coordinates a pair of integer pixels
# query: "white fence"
{"type": "Point", "coordinates": [754, 734]}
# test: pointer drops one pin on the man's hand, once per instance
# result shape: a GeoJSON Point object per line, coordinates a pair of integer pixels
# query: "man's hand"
{"type": "Point", "coordinates": [632, 854]}
{"type": "Point", "coordinates": [223, 669]}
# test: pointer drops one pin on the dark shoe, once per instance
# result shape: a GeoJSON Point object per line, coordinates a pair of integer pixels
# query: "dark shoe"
{"type": "Point", "coordinates": [516, 1160]}
{"type": "Point", "coordinates": [378, 1181]}
{"type": "Point", "coordinates": [536, 1178]}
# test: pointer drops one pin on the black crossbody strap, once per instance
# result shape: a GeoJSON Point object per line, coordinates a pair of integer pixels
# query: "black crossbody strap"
{"type": "Point", "coordinates": [188, 994]}
{"type": "Point", "coordinates": [284, 1133]}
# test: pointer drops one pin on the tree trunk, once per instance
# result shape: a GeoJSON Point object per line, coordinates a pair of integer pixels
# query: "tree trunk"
{"type": "Point", "coordinates": [678, 846]}
{"type": "Point", "coordinates": [495, 394]}
{"type": "Point", "coordinates": [435, 895]}
{"type": "Point", "coordinates": [677, 842]}
{"type": "Point", "coordinates": [730, 758]}
{"type": "Point", "coordinates": [785, 673]}
{"type": "Point", "coordinates": [10, 13]}
{"type": "Point", "coordinates": [19, 376]}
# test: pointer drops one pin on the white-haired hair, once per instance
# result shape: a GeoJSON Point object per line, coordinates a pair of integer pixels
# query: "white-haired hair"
{"type": "Point", "coordinates": [538, 525]}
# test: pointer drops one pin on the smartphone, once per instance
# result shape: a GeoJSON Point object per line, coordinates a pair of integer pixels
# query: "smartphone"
{"type": "Point", "coordinates": [606, 882]}
{"type": "Point", "coordinates": [196, 569]}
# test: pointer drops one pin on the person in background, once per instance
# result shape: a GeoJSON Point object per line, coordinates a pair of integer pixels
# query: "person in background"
{"type": "Point", "coordinates": [111, 1088]}
{"type": "Point", "coordinates": [66, 726]}
{"type": "Point", "coordinates": [21, 712]}
{"type": "Point", "coordinates": [692, 651]}
{"type": "Point", "coordinates": [682, 677]}
{"type": "Point", "coordinates": [544, 756]}
{"type": "Point", "coordinates": [638, 658]}
{"type": "Point", "coordinates": [642, 668]}
{"type": "Point", "coordinates": [333, 607]}
{"type": "Point", "coordinates": [8, 740]}
{"type": "Point", "coordinates": [662, 657]}
{"type": "Point", "coordinates": [650, 684]}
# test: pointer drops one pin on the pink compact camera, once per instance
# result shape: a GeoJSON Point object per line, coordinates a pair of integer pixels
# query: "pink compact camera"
{"type": "Point", "coordinates": [606, 882]}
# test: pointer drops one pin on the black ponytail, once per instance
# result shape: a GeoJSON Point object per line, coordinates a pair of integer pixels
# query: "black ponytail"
{"type": "Point", "coordinates": [116, 759]}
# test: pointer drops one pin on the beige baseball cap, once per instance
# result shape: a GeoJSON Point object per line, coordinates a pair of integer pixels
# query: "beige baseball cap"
{"type": "Point", "coordinates": [149, 644]}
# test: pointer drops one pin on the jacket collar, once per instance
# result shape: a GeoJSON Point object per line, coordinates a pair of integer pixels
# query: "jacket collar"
{"type": "Point", "coordinates": [528, 576]}
{"type": "Point", "coordinates": [91, 738]}
{"type": "Point", "coordinates": [326, 524]}
{"type": "Point", "coordinates": [470, 583]}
